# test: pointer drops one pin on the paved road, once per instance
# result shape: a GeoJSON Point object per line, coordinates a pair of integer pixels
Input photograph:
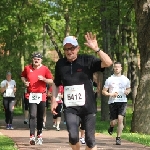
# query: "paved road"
{"type": "Point", "coordinates": [58, 140]}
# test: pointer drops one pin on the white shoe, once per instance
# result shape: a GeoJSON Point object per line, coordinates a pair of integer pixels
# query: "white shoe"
{"type": "Point", "coordinates": [57, 129]}
{"type": "Point", "coordinates": [82, 140]}
{"type": "Point", "coordinates": [32, 140]}
{"type": "Point", "coordinates": [39, 141]}
{"type": "Point", "coordinates": [54, 126]}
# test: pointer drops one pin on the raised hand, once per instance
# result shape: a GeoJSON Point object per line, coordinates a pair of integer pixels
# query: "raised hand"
{"type": "Point", "coordinates": [91, 41]}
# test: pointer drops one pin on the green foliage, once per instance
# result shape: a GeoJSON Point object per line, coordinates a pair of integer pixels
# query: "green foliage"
{"type": "Point", "coordinates": [22, 29]}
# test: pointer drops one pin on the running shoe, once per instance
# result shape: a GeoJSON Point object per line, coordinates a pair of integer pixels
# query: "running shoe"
{"type": "Point", "coordinates": [44, 128]}
{"type": "Point", "coordinates": [57, 129]}
{"type": "Point", "coordinates": [39, 140]}
{"type": "Point", "coordinates": [26, 122]}
{"type": "Point", "coordinates": [110, 130]}
{"type": "Point", "coordinates": [118, 141]}
{"type": "Point", "coordinates": [10, 127]}
{"type": "Point", "coordinates": [7, 126]}
{"type": "Point", "coordinates": [82, 140]}
{"type": "Point", "coordinates": [32, 140]}
{"type": "Point", "coordinates": [54, 126]}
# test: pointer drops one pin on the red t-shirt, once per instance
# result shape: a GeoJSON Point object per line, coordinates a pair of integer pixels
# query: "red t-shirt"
{"type": "Point", "coordinates": [36, 86]}
{"type": "Point", "coordinates": [60, 90]}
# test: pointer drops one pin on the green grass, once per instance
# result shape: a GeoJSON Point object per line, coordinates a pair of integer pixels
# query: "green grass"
{"type": "Point", "coordinates": [102, 126]}
{"type": "Point", "coordinates": [6, 143]}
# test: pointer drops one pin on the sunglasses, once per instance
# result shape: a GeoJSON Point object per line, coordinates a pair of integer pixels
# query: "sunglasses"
{"type": "Point", "coordinates": [70, 48]}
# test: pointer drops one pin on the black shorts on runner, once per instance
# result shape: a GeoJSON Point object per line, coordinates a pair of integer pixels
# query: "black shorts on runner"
{"type": "Point", "coordinates": [117, 108]}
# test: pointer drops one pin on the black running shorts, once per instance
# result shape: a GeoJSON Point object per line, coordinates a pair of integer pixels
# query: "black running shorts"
{"type": "Point", "coordinates": [117, 108]}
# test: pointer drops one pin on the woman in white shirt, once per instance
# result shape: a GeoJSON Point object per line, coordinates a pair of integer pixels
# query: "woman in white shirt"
{"type": "Point", "coordinates": [8, 89]}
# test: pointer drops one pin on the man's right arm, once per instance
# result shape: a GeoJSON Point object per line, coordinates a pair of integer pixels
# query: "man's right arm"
{"type": "Point", "coordinates": [54, 103]}
{"type": "Point", "coordinates": [23, 79]}
{"type": "Point", "coordinates": [106, 93]}
{"type": "Point", "coordinates": [54, 92]}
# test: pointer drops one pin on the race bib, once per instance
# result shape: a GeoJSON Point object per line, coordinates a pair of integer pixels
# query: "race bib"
{"type": "Point", "coordinates": [121, 96]}
{"type": "Point", "coordinates": [74, 95]}
{"type": "Point", "coordinates": [35, 98]}
{"type": "Point", "coordinates": [9, 92]}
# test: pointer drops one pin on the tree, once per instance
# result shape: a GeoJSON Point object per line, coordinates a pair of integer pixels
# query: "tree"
{"type": "Point", "coordinates": [141, 114]}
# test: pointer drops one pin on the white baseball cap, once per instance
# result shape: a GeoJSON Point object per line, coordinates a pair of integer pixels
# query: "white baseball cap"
{"type": "Point", "coordinates": [70, 39]}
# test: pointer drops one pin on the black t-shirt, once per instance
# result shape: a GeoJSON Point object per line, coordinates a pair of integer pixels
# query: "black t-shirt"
{"type": "Point", "coordinates": [79, 72]}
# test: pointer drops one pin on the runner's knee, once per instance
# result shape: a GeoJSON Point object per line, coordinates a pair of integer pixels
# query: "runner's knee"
{"type": "Point", "coordinates": [90, 142]}
{"type": "Point", "coordinates": [73, 138]}
{"type": "Point", "coordinates": [32, 116]}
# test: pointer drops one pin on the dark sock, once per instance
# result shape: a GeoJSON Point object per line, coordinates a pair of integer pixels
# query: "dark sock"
{"type": "Point", "coordinates": [39, 132]}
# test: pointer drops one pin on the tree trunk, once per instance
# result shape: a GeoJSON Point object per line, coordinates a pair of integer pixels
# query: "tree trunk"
{"type": "Point", "coordinates": [49, 32]}
{"type": "Point", "coordinates": [141, 114]}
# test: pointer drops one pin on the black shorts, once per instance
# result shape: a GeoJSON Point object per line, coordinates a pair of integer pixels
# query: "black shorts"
{"type": "Point", "coordinates": [117, 108]}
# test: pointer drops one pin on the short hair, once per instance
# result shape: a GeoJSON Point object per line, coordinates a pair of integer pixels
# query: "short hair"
{"type": "Point", "coordinates": [117, 62]}
{"type": "Point", "coordinates": [8, 73]}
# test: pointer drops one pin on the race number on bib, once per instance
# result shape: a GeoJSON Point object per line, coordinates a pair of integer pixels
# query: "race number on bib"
{"type": "Point", "coordinates": [9, 92]}
{"type": "Point", "coordinates": [35, 98]}
{"type": "Point", "coordinates": [74, 95]}
{"type": "Point", "coordinates": [121, 96]}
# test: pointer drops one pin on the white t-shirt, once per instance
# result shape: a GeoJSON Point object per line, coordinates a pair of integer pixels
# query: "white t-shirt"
{"type": "Point", "coordinates": [119, 85]}
{"type": "Point", "coordinates": [9, 90]}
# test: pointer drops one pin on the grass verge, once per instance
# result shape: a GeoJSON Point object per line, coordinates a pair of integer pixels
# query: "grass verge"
{"type": "Point", "coordinates": [7, 143]}
{"type": "Point", "coordinates": [102, 126]}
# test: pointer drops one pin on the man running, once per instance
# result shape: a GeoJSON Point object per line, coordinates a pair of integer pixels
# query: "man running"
{"type": "Point", "coordinates": [75, 72]}
{"type": "Point", "coordinates": [118, 86]}
{"type": "Point", "coordinates": [35, 76]}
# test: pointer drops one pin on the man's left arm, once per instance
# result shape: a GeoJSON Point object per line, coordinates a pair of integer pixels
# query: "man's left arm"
{"type": "Point", "coordinates": [127, 91]}
{"type": "Point", "coordinates": [14, 87]}
{"type": "Point", "coordinates": [106, 61]}
{"type": "Point", "coordinates": [48, 81]}
{"type": "Point", "coordinates": [128, 87]}
{"type": "Point", "coordinates": [48, 77]}
{"type": "Point", "coordinates": [92, 43]}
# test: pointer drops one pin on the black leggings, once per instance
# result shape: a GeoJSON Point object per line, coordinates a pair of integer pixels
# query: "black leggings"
{"type": "Point", "coordinates": [26, 104]}
{"type": "Point", "coordinates": [36, 111]}
{"type": "Point", "coordinates": [72, 123]}
{"type": "Point", "coordinates": [8, 103]}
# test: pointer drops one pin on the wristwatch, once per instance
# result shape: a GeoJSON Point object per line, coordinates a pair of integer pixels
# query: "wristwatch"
{"type": "Point", "coordinates": [97, 50]}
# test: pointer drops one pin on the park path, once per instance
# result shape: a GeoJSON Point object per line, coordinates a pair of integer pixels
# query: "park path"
{"type": "Point", "coordinates": [58, 140]}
